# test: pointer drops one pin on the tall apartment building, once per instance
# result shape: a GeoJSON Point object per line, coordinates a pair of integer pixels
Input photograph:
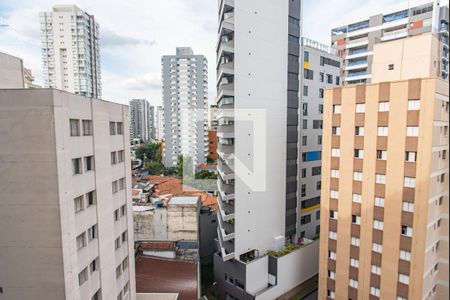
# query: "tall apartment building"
{"type": "Point", "coordinates": [185, 97]}
{"type": "Point", "coordinates": [356, 41]}
{"type": "Point", "coordinates": [212, 117]}
{"type": "Point", "coordinates": [159, 123]}
{"type": "Point", "coordinates": [69, 233]}
{"type": "Point", "coordinates": [70, 51]}
{"type": "Point", "coordinates": [384, 222]}
{"type": "Point", "coordinates": [321, 69]}
{"type": "Point", "coordinates": [142, 120]}
{"type": "Point", "coordinates": [258, 150]}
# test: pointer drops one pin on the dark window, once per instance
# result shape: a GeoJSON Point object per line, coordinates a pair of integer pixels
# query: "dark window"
{"type": "Point", "coordinates": [318, 215]}
{"type": "Point", "coordinates": [338, 80]}
{"type": "Point", "coordinates": [321, 93]}
{"type": "Point", "coordinates": [303, 173]}
{"type": "Point", "coordinates": [305, 219]}
{"type": "Point", "coordinates": [318, 229]}
{"type": "Point", "coordinates": [305, 90]}
{"type": "Point", "coordinates": [316, 171]}
{"type": "Point", "coordinates": [321, 108]}
{"type": "Point", "coordinates": [303, 190]}
{"type": "Point", "coordinates": [308, 74]}
{"type": "Point", "coordinates": [305, 124]}
{"type": "Point", "coordinates": [328, 61]}
{"type": "Point", "coordinates": [391, 67]}
{"type": "Point", "coordinates": [329, 78]}
{"type": "Point", "coordinates": [317, 124]}
{"type": "Point", "coordinates": [305, 109]}
{"type": "Point", "coordinates": [319, 140]}
{"type": "Point", "coordinates": [319, 185]}
{"type": "Point", "coordinates": [322, 76]}
{"type": "Point", "coordinates": [304, 140]}
{"type": "Point", "coordinates": [306, 56]}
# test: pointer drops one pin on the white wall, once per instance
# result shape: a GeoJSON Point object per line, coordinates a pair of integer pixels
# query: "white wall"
{"type": "Point", "coordinates": [260, 215]}
{"type": "Point", "coordinates": [11, 72]}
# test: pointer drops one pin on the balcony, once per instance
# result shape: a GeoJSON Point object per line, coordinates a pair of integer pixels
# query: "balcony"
{"type": "Point", "coordinates": [225, 6]}
{"type": "Point", "coordinates": [357, 43]}
{"type": "Point", "coordinates": [356, 64]}
{"type": "Point", "coordinates": [224, 169]}
{"type": "Point", "coordinates": [226, 229]}
{"type": "Point", "coordinates": [226, 247]}
{"type": "Point", "coordinates": [226, 191]}
{"type": "Point", "coordinates": [226, 210]}
{"type": "Point", "coordinates": [393, 35]}
{"type": "Point", "coordinates": [358, 53]}
{"type": "Point", "coordinates": [225, 131]}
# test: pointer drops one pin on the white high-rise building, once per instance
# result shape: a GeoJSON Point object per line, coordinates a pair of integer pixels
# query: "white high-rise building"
{"type": "Point", "coordinates": [66, 223]}
{"type": "Point", "coordinates": [185, 96]}
{"type": "Point", "coordinates": [159, 126]}
{"type": "Point", "coordinates": [70, 51]}
{"type": "Point", "coordinates": [258, 67]}
{"type": "Point", "coordinates": [142, 116]}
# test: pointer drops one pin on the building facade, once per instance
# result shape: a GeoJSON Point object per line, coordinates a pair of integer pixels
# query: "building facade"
{"type": "Point", "coordinates": [321, 70]}
{"type": "Point", "coordinates": [185, 96]}
{"type": "Point", "coordinates": [258, 150]}
{"type": "Point", "coordinates": [72, 153]}
{"type": "Point", "coordinates": [142, 120]}
{"type": "Point", "coordinates": [70, 51]}
{"type": "Point", "coordinates": [355, 42]}
{"type": "Point", "coordinates": [384, 208]}
{"type": "Point", "coordinates": [159, 123]}
{"type": "Point", "coordinates": [13, 74]}
{"type": "Point", "coordinates": [212, 117]}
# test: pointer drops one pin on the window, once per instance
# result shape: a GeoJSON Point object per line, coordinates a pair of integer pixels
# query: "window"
{"type": "Point", "coordinates": [355, 241]}
{"type": "Point", "coordinates": [87, 127]}
{"type": "Point", "coordinates": [89, 163]}
{"type": "Point", "coordinates": [304, 140]}
{"type": "Point", "coordinates": [333, 235]}
{"type": "Point", "coordinates": [303, 190]}
{"type": "Point", "coordinates": [118, 271]}
{"type": "Point", "coordinates": [316, 171]}
{"type": "Point", "coordinates": [79, 204]}
{"type": "Point", "coordinates": [93, 266]}
{"type": "Point", "coordinates": [123, 210]}
{"type": "Point", "coordinates": [82, 276]}
{"type": "Point", "coordinates": [306, 56]}
{"type": "Point", "coordinates": [356, 219]}
{"type": "Point", "coordinates": [413, 104]}
{"type": "Point", "coordinates": [359, 131]}
{"type": "Point", "coordinates": [336, 131]}
{"type": "Point", "coordinates": [305, 90]}
{"type": "Point", "coordinates": [335, 152]}
{"type": "Point", "coordinates": [380, 178]}
{"type": "Point", "coordinates": [408, 206]}
{"type": "Point", "coordinates": [375, 291]}
{"type": "Point", "coordinates": [377, 248]}
{"type": "Point", "coordinates": [319, 140]}
{"type": "Point", "coordinates": [124, 236]}
{"type": "Point", "coordinates": [332, 255]}
{"type": "Point", "coordinates": [383, 131]}
{"type": "Point", "coordinates": [305, 124]}
{"type": "Point", "coordinates": [410, 156]}
{"type": "Point", "coordinates": [321, 108]}
{"type": "Point", "coordinates": [92, 232]}
{"type": "Point", "coordinates": [125, 264]}
{"type": "Point", "coordinates": [318, 185]}
{"type": "Point", "coordinates": [115, 188]}
{"type": "Point", "coordinates": [402, 278]}
{"type": "Point", "coordinates": [391, 67]}
{"type": "Point", "coordinates": [334, 173]}
{"type": "Point", "coordinates": [405, 255]}
{"type": "Point", "coordinates": [81, 241]}
{"type": "Point", "coordinates": [409, 182]}
{"type": "Point", "coordinates": [338, 80]}
{"type": "Point", "coordinates": [329, 78]}
{"type": "Point", "coordinates": [120, 156]}
{"type": "Point", "coordinates": [76, 166]}
{"type": "Point", "coordinates": [321, 92]}
{"type": "Point", "coordinates": [331, 274]}
{"type": "Point", "coordinates": [318, 215]}
{"type": "Point", "coordinates": [317, 124]}
{"type": "Point", "coordinates": [360, 108]}
{"type": "Point", "coordinates": [330, 294]}
{"type": "Point", "coordinates": [356, 198]}
{"type": "Point", "coordinates": [122, 183]}
{"type": "Point", "coordinates": [112, 128]}
{"type": "Point", "coordinates": [303, 172]}
{"type": "Point", "coordinates": [354, 262]}
{"type": "Point", "coordinates": [381, 154]}
{"type": "Point", "coordinates": [412, 131]}
{"type": "Point", "coordinates": [322, 76]}
{"type": "Point", "coordinates": [305, 219]}
{"type": "Point", "coordinates": [119, 128]}
{"type": "Point", "coordinates": [333, 214]}
{"type": "Point", "coordinates": [116, 215]}
{"type": "Point", "coordinates": [359, 153]}
{"type": "Point", "coordinates": [90, 198]}
{"type": "Point", "coordinates": [308, 74]}
{"type": "Point", "coordinates": [113, 158]}
{"type": "Point", "coordinates": [406, 230]}
{"type": "Point", "coordinates": [74, 127]}
{"type": "Point", "coordinates": [119, 296]}
{"type": "Point", "coordinates": [334, 194]}
{"type": "Point", "coordinates": [379, 201]}
{"type": "Point", "coordinates": [126, 288]}
{"type": "Point", "coordinates": [305, 109]}
{"type": "Point", "coordinates": [117, 243]}
{"type": "Point", "coordinates": [336, 109]}
{"type": "Point", "coordinates": [357, 176]}
{"type": "Point", "coordinates": [379, 225]}
{"type": "Point", "coordinates": [353, 283]}
{"type": "Point", "coordinates": [376, 270]}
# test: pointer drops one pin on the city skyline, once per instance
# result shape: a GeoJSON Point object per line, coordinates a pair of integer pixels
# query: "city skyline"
{"type": "Point", "coordinates": [131, 51]}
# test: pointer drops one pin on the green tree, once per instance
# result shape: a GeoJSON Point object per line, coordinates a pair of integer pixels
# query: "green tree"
{"type": "Point", "coordinates": [184, 166]}
{"type": "Point", "coordinates": [205, 174]}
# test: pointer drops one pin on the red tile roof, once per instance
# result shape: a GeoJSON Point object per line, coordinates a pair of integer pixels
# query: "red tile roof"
{"type": "Point", "coordinates": [206, 166]}
{"type": "Point", "coordinates": [155, 275]}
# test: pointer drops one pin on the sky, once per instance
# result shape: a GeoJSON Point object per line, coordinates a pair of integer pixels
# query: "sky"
{"type": "Point", "coordinates": [134, 34]}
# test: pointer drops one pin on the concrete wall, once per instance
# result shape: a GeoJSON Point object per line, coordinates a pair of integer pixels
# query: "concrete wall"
{"type": "Point", "coordinates": [150, 225]}
{"type": "Point", "coordinates": [208, 232]}
{"type": "Point", "coordinates": [11, 72]}
{"type": "Point", "coordinates": [182, 222]}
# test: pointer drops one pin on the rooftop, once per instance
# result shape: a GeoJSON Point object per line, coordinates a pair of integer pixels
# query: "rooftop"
{"type": "Point", "coordinates": [184, 200]}
{"type": "Point", "coordinates": [155, 275]}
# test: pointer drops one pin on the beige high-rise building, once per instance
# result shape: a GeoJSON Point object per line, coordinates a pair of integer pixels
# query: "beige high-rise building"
{"type": "Point", "coordinates": [65, 206]}
{"type": "Point", "coordinates": [384, 222]}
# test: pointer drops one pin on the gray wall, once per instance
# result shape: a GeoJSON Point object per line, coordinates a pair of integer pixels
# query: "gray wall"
{"type": "Point", "coordinates": [11, 72]}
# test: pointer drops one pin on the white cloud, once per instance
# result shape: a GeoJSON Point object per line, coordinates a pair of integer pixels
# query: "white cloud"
{"type": "Point", "coordinates": [146, 82]}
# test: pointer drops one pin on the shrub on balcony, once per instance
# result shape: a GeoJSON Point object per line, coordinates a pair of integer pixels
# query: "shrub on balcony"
{"type": "Point", "coordinates": [288, 248]}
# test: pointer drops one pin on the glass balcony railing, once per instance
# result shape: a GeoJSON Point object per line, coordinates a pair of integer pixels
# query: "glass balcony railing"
{"type": "Point", "coordinates": [395, 16]}
{"type": "Point", "coordinates": [357, 51]}
{"type": "Point", "coordinates": [355, 74]}
{"type": "Point", "coordinates": [357, 62]}
{"type": "Point", "coordinates": [357, 26]}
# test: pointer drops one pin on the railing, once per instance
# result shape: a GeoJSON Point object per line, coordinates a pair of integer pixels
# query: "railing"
{"type": "Point", "coordinates": [319, 46]}
{"type": "Point", "coordinates": [357, 51]}
{"type": "Point", "coordinates": [355, 74]}
{"type": "Point", "coordinates": [395, 34]}
{"type": "Point", "coordinates": [357, 62]}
